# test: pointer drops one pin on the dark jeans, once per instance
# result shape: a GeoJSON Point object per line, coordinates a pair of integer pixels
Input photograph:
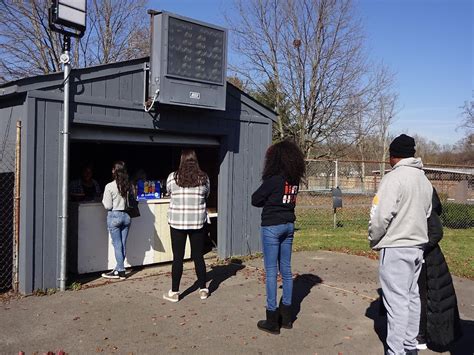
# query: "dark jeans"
{"type": "Point", "coordinates": [178, 244]}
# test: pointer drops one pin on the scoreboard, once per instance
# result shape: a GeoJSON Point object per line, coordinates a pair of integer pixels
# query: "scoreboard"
{"type": "Point", "coordinates": [188, 62]}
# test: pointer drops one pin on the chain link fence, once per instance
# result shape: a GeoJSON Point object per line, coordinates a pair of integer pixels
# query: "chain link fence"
{"type": "Point", "coordinates": [359, 181]}
{"type": "Point", "coordinates": [7, 189]}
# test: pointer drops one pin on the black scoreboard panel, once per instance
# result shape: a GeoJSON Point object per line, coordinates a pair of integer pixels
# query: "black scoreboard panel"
{"type": "Point", "coordinates": [195, 52]}
{"type": "Point", "coordinates": [188, 62]}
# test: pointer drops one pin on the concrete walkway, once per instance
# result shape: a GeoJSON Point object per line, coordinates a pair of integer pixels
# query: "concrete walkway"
{"type": "Point", "coordinates": [334, 298]}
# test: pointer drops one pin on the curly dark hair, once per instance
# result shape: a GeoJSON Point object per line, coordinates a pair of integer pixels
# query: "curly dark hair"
{"type": "Point", "coordinates": [189, 173]}
{"type": "Point", "coordinates": [285, 158]}
{"type": "Point", "coordinates": [120, 175]}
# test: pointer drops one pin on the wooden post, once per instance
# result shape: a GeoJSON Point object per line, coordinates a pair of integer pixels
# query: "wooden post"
{"type": "Point", "coordinates": [16, 208]}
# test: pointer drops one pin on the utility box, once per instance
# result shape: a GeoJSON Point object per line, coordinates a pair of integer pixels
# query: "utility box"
{"type": "Point", "coordinates": [336, 198]}
{"type": "Point", "coordinates": [188, 62]}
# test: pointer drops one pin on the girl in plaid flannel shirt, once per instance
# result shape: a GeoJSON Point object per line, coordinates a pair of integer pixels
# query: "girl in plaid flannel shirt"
{"type": "Point", "coordinates": [189, 189]}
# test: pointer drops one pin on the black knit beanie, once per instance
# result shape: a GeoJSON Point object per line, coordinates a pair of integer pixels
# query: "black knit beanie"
{"type": "Point", "coordinates": [402, 147]}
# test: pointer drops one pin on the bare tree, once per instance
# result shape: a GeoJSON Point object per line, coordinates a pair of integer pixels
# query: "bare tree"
{"type": "Point", "coordinates": [116, 30]}
{"type": "Point", "coordinates": [269, 95]}
{"type": "Point", "coordinates": [27, 46]}
{"type": "Point", "coordinates": [237, 82]}
{"type": "Point", "coordinates": [371, 132]}
{"type": "Point", "coordinates": [386, 111]}
{"type": "Point", "coordinates": [312, 51]}
{"type": "Point", "coordinates": [468, 116]}
{"type": "Point", "coordinates": [462, 152]}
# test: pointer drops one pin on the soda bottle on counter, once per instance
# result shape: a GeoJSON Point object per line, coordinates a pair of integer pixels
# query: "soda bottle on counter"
{"type": "Point", "coordinates": [140, 188]}
{"type": "Point", "coordinates": [157, 189]}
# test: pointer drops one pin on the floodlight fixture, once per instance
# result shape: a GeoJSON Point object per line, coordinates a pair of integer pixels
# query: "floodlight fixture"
{"type": "Point", "coordinates": [68, 17]}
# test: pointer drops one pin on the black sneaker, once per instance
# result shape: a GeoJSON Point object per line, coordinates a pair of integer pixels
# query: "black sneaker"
{"type": "Point", "coordinates": [114, 274]}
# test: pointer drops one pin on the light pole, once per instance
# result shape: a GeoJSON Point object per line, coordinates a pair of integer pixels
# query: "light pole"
{"type": "Point", "coordinates": [67, 17]}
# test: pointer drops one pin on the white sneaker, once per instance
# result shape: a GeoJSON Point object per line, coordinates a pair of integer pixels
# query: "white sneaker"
{"type": "Point", "coordinates": [171, 296]}
{"type": "Point", "coordinates": [421, 346]}
{"type": "Point", "coordinates": [203, 293]}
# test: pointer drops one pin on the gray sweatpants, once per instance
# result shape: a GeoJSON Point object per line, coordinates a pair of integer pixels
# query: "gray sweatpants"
{"type": "Point", "coordinates": [399, 269]}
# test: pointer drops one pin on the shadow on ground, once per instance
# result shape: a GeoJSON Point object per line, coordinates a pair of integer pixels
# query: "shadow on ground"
{"type": "Point", "coordinates": [464, 346]}
{"type": "Point", "coordinates": [85, 279]}
{"type": "Point", "coordinates": [216, 276]}
{"type": "Point", "coordinates": [377, 313]}
{"type": "Point", "coordinates": [302, 285]}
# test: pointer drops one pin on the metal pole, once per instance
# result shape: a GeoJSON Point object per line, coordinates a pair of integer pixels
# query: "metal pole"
{"type": "Point", "coordinates": [16, 210]}
{"type": "Point", "coordinates": [65, 59]}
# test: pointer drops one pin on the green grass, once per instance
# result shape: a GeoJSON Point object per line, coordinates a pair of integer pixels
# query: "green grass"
{"type": "Point", "coordinates": [315, 232]}
{"type": "Point", "coordinates": [458, 248]}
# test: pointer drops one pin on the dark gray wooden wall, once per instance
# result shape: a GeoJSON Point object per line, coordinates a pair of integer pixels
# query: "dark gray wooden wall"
{"type": "Point", "coordinates": [109, 99]}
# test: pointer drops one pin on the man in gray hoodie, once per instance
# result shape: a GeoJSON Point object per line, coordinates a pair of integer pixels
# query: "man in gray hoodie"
{"type": "Point", "coordinates": [398, 228]}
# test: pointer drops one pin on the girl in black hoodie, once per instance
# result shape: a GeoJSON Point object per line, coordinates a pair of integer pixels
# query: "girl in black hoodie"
{"type": "Point", "coordinates": [283, 170]}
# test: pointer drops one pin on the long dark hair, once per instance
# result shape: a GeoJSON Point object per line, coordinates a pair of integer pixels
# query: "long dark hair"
{"type": "Point", "coordinates": [120, 175]}
{"type": "Point", "coordinates": [284, 158]}
{"type": "Point", "coordinates": [189, 173]}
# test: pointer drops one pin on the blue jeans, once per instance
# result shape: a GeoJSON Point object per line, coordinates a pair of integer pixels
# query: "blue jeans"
{"type": "Point", "coordinates": [118, 223]}
{"type": "Point", "coordinates": [277, 242]}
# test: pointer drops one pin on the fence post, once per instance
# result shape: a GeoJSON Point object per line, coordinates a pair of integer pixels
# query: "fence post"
{"type": "Point", "coordinates": [363, 176]}
{"type": "Point", "coordinates": [16, 208]}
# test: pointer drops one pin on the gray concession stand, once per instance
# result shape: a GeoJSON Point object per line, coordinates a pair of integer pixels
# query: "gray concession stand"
{"type": "Point", "coordinates": [108, 123]}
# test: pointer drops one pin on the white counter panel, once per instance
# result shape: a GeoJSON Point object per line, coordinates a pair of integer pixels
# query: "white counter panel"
{"type": "Point", "coordinates": [148, 240]}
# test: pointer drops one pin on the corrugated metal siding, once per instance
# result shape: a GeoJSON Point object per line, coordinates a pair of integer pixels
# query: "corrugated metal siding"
{"type": "Point", "coordinates": [239, 191]}
{"type": "Point", "coordinates": [39, 186]}
{"type": "Point", "coordinates": [27, 210]}
{"type": "Point", "coordinates": [247, 164]}
{"type": "Point", "coordinates": [261, 139]}
{"type": "Point", "coordinates": [46, 193]}
{"type": "Point", "coordinates": [53, 116]}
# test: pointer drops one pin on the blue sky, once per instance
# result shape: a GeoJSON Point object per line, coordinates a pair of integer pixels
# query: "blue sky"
{"type": "Point", "coordinates": [429, 44]}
